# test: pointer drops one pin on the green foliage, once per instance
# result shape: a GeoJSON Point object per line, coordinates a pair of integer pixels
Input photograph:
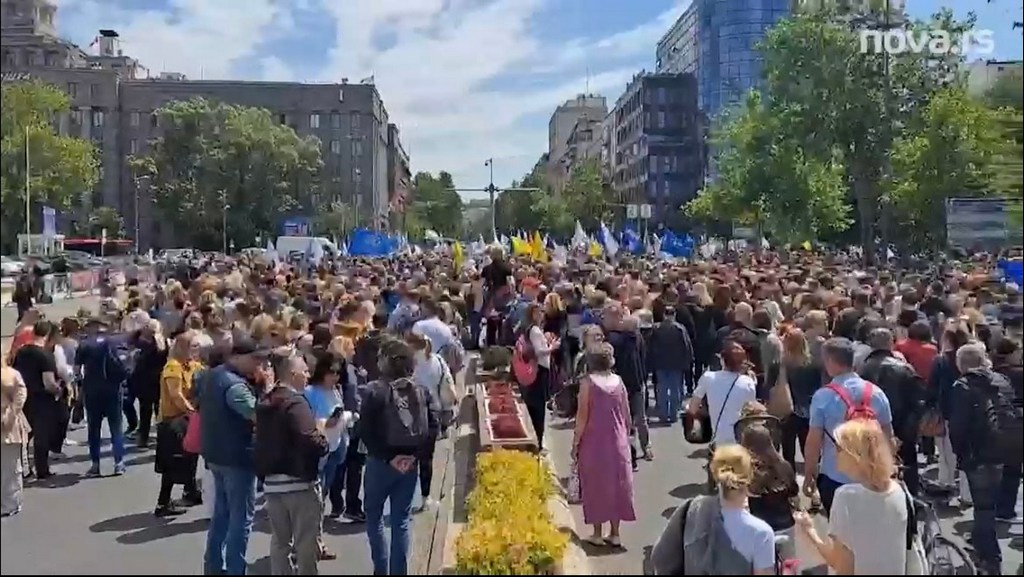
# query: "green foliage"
{"type": "Point", "coordinates": [62, 167]}
{"type": "Point", "coordinates": [214, 154]}
{"type": "Point", "coordinates": [108, 218]}
{"type": "Point", "coordinates": [336, 218]}
{"type": "Point", "coordinates": [835, 126]}
{"type": "Point", "coordinates": [585, 197]}
{"type": "Point", "coordinates": [947, 156]}
{"type": "Point", "coordinates": [435, 206]}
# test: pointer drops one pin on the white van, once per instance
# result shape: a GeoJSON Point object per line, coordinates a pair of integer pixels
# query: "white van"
{"type": "Point", "coordinates": [288, 246]}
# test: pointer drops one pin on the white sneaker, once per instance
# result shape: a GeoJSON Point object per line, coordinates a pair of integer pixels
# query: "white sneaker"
{"type": "Point", "coordinates": [427, 504]}
{"type": "Point", "coordinates": [72, 443]}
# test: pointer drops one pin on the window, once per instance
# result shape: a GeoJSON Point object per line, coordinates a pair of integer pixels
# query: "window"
{"type": "Point", "coordinates": [73, 89]}
{"type": "Point", "coordinates": [133, 146]}
{"type": "Point", "coordinates": [661, 119]}
{"type": "Point", "coordinates": [76, 117]}
{"type": "Point", "coordinates": [134, 118]}
{"type": "Point", "coordinates": [94, 91]}
{"type": "Point", "coordinates": [357, 176]}
{"type": "Point", "coordinates": [335, 120]}
{"type": "Point", "coordinates": [335, 147]}
{"type": "Point", "coordinates": [314, 120]}
{"type": "Point", "coordinates": [355, 120]}
{"type": "Point", "coordinates": [357, 148]}
{"type": "Point", "coordinates": [97, 118]}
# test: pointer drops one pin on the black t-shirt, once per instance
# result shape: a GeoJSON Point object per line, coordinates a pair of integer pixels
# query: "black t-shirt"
{"type": "Point", "coordinates": [32, 361]}
{"type": "Point", "coordinates": [496, 274]}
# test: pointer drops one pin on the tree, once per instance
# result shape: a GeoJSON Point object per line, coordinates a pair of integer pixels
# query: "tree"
{"type": "Point", "coordinates": [1006, 97]}
{"type": "Point", "coordinates": [334, 219]}
{"type": "Point", "coordinates": [436, 205]}
{"type": "Point", "coordinates": [106, 218]}
{"type": "Point", "coordinates": [215, 155]}
{"type": "Point", "coordinates": [587, 196]}
{"type": "Point", "coordinates": [766, 181]}
{"type": "Point", "coordinates": [846, 106]}
{"type": "Point", "coordinates": [62, 167]}
{"type": "Point", "coordinates": [947, 156]}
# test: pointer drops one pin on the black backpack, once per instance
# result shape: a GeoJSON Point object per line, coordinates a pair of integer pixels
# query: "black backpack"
{"type": "Point", "coordinates": [1003, 420]}
{"type": "Point", "coordinates": [406, 418]}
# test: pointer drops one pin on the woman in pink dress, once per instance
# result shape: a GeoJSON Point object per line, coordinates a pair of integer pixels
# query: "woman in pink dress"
{"type": "Point", "coordinates": [601, 448]}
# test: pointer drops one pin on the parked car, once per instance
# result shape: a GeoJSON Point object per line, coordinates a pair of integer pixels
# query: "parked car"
{"type": "Point", "coordinates": [10, 266]}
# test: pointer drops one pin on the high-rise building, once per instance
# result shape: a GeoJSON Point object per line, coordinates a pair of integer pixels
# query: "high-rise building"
{"type": "Point", "coordinates": [677, 49]}
{"type": "Point", "coordinates": [399, 174]}
{"type": "Point", "coordinates": [586, 107]}
{"type": "Point", "coordinates": [983, 74]}
{"type": "Point", "coordinates": [657, 155]}
{"type": "Point", "coordinates": [113, 101]}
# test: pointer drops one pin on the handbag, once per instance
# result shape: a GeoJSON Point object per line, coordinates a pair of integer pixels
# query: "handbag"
{"type": "Point", "coordinates": [193, 441]}
{"type": "Point", "coordinates": [697, 429]}
{"type": "Point", "coordinates": [572, 485]}
{"type": "Point", "coordinates": [780, 397]}
{"type": "Point", "coordinates": [932, 424]}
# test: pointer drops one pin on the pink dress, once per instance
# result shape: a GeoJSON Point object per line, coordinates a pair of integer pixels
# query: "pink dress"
{"type": "Point", "coordinates": [605, 466]}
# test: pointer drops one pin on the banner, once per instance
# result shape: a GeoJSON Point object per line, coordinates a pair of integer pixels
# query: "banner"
{"type": "Point", "coordinates": [371, 243]}
{"type": "Point", "coordinates": [49, 222]}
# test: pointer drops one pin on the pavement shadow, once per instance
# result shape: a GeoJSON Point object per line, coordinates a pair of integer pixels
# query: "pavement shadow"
{"type": "Point", "coordinates": [700, 453]}
{"type": "Point", "coordinates": [260, 566]}
{"type": "Point", "coordinates": [594, 550]}
{"type": "Point", "coordinates": [141, 460]}
{"type": "Point", "coordinates": [563, 425]}
{"type": "Point", "coordinates": [688, 490]}
{"type": "Point", "coordinates": [340, 528]}
{"type": "Point", "coordinates": [163, 531]}
{"type": "Point", "coordinates": [668, 512]}
{"type": "Point", "coordinates": [57, 481]}
{"type": "Point", "coordinates": [127, 523]}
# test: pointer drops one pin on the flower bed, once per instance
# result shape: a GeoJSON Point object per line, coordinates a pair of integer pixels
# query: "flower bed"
{"type": "Point", "coordinates": [510, 531]}
{"type": "Point", "coordinates": [507, 427]}
{"type": "Point", "coordinates": [500, 389]}
{"type": "Point", "coordinates": [502, 406]}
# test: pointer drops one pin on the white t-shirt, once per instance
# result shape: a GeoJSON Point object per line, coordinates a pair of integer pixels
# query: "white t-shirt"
{"type": "Point", "coordinates": [873, 526]}
{"type": "Point", "coordinates": [715, 385]}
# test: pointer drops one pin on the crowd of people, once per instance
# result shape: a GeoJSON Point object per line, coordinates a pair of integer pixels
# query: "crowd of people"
{"type": "Point", "coordinates": [326, 387]}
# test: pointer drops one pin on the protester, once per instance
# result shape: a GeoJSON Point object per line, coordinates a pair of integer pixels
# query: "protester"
{"type": "Point", "coordinates": [670, 358]}
{"type": "Point", "coordinates": [601, 448]}
{"type": "Point", "coordinates": [177, 467]}
{"type": "Point", "coordinates": [144, 382]}
{"type": "Point", "coordinates": [102, 361]}
{"type": "Point", "coordinates": [15, 435]}
{"type": "Point", "coordinates": [35, 362]}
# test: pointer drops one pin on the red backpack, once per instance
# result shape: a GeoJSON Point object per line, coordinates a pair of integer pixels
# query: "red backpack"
{"type": "Point", "coordinates": [524, 361]}
{"type": "Point", "coordinates": [860, 410]}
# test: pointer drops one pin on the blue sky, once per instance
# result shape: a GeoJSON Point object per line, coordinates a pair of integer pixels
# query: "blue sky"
{"type": "Point", "coordinates": [464, 79]}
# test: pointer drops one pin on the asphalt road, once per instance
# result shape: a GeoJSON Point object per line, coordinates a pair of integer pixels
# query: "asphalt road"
{"type": "Point", "coordinates": [74, 525]}
{"type": "Point", "coordinates": [676, 473]}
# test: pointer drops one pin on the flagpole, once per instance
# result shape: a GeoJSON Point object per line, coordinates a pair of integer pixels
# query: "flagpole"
{"type": "Point", "coordinates": [28, 196]}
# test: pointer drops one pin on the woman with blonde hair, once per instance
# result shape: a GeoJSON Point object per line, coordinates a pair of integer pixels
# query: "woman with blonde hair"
{"type": "Point", "coordinates": [868, 519]}
{"type": "Point", "coordinates": [697, 527]}
{"type": "Point", "coordinates": [15, 433]}
{"type": "Point", "coordinates": [176, 467]}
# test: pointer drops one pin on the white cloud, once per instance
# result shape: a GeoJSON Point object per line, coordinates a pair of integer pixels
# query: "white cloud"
{"type": "Point", "coordinates": [441, 75]}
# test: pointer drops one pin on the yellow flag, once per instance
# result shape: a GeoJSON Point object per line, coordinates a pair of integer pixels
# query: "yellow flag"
{"type": "Point", "coordinates": [806, 245]}
{"type": "Point", "coordinates": [520, 247]}
{"type": "Point", "coordinates": [595, 249]}
{"type": "Point", "coordinates": [537, 249]}
{"type": "Point", "coordinates": [458, 256]}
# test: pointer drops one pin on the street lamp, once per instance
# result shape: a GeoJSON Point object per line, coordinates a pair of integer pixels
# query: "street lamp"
{"type": "Point", "coordinates": [138, 179]}
{"type": "Point", "coordinates": [224, 221]}
{"type": "Point", "coordinates": [492, 192]}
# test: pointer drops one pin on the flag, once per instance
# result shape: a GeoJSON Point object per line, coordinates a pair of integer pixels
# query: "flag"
{"type": "Point", "coordinates": [520, 247]}
{"type": "Point", "coordinates": [806, 245]}
{"type": "Point", "coordinates": [594, 249]}
{"type": "Point", "coordinates": [579, 237]}
{"type": "Point", "coordinates": [632, 242]}
{"type": "Point", "coordinates": [889, 254]}
{"type": "Point", "coordinates": [270, 253]}
{"type": "Point", "coordinates": [458, 256]}
{"type": "Point", "coordinates": [431, 235]}
{"type": "Point", "coordinates": [607, 239]}
{"type": "Point", "coordinates": [537, 248]}
{"type": "Point", "coordinates": [559, 254]}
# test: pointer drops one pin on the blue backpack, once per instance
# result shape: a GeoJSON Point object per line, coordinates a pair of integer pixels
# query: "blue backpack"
{"type": "Point", "coordinates": [111, 367]}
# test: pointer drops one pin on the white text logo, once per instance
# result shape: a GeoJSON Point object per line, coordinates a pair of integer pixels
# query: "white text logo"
{"type": "Point", "coordinates": [901, 41]}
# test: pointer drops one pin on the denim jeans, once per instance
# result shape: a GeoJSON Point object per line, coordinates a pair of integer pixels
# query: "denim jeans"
{"type": "Point", "coordinates": [234, 504]}
{"type": "Point", "coordinates": [331, 465]}
{"type": "Point", "coordinates": [475, 320]}
{"type": "Point", "coordinates": [383, 483]}
{"type": "Point", "coordinates": [670, 385]}
{"type": "Point", "coordinates": [984, 481]}
{"type": "Point", "coordinates": [99, 406]}
{"type": "Point", "coordinates": [1009, 485]}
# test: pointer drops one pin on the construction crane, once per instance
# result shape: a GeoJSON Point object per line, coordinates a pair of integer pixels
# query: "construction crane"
{"type": "Point", "coordinates": [492, 195]}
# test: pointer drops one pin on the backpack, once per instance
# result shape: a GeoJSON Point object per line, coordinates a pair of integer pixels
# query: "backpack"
{"type": "Point", "coordinates": [524, 362]}
{"type": "Point", "coordinates": [112, 367]}
{"type": "Point", "coordinates": [406, 419]}
{"type": "Point", "coordinates": [454, 354]}
{"type": "Point", "coordinates": [854, 411]}
{"type": "Point", "coordinates": [1004, 421]}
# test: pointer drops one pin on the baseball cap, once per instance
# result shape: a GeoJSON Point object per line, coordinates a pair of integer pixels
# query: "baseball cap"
{"type": "Point", "coordinates": [245, 345]}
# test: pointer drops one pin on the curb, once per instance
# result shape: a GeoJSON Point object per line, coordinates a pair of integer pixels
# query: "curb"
{"type": "Point", "coordinates": [575, 560]}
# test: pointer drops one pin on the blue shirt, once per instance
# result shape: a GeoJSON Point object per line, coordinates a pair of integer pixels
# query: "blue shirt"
{"type": "Point", "coordinates": [322, 400]}
{"type": "Point", "coordinates": [828, 411]}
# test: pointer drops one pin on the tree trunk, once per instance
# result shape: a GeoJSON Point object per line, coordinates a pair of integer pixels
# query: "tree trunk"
{"type": "Point", "coordinates": [866, 195]}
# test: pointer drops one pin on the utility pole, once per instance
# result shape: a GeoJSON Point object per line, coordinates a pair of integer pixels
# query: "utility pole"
{"type": "Point", "coordinates": [138, 196]}
{"type": "Point", "coordinates": [224, 221]}
{"type": "Point", "coordinates": [28, 196]}
{"type": "Point", "coordinates": [492, 195]}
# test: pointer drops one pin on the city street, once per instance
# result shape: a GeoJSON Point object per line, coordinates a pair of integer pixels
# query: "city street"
{"type": "Point", "coordinates": [676, 474]}
{"type": "Point", "coordinates": [72, 524]}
